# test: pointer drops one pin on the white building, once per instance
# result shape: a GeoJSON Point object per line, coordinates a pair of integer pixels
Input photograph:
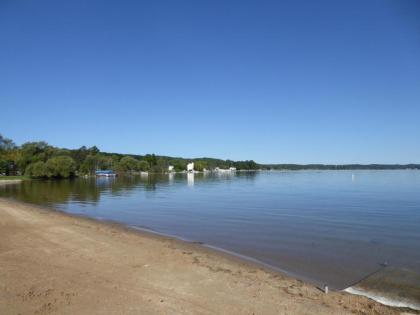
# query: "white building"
{"type": "Point", "coordinates": [170, 168]}
{"type": "Point", "coordinates": [190, 167]}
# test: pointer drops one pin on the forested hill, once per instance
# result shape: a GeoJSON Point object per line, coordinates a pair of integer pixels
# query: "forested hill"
{"type": "Point", "coordinates": [39, 159]}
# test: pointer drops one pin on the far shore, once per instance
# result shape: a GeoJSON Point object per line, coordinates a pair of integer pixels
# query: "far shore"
{"type": "Point", "coordinates": [17, 179]}
{"type": "Point", "coordinates": [55, 263]}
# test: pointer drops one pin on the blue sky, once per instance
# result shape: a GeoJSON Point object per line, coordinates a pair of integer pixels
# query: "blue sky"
{"type": "Point", "coordinates": [274, 81]}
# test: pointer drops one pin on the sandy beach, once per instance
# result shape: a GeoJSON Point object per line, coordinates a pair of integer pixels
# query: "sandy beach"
{"type": "Point", "coordinates": [55, 263]}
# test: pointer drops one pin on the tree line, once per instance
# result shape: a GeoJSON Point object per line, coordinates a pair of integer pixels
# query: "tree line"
{"type": "Point", "coordinates": [296, 167]}
{"type": "Point", "coordinates": [41, 160]}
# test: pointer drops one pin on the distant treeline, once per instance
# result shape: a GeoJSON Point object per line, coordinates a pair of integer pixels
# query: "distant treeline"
{"type": "Point", "coordinates": [41, 160]}
{"type": "Point", "coordinates": [340, 167]}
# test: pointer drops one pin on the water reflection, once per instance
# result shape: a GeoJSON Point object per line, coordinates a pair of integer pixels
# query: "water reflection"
{"type": "Point", "coordinates": [190, 179]}
{"type": "Point", "coordinates": [53, 192]}
{"type": "Point", "coordinates": [171, 177]}
{"type": "Point", "coordinates": [89, 190]}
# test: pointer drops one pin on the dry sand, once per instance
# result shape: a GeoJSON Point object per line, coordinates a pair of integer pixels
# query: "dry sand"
{"type": "Point", "coordinates": [54, 263]}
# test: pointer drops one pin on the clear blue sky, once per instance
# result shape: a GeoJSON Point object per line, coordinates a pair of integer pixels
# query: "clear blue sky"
{"type": "Point", "coordinates": [274, 81]}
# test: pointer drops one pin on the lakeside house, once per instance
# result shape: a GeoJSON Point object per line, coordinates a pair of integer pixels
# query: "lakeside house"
{"type": "Point", "coordinates": [105, 173]}
{"type": "Point", "coordinates": [190, 167]}
{"type": "Point", "coordinates": [170, 168]}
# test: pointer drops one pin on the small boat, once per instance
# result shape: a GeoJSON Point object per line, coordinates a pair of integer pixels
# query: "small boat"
{"type": "Point", "coordinates": [105, 173]}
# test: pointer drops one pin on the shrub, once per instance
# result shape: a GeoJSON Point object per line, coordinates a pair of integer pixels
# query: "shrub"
{"type": "Point", "coordinates": [37, 169]}
{"type": "Point", "coordinates": [60, 166]}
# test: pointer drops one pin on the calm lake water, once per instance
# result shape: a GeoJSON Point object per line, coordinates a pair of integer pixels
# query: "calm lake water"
{"type": "Point", "coordinates": [329, 227]}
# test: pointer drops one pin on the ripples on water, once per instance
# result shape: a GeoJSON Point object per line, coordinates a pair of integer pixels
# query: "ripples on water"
{"type": "Point", "coordinates": [329, 227]}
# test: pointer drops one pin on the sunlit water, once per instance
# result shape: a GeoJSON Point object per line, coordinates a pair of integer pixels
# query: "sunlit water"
{"type": "Point", "coordinates": [329, 227]}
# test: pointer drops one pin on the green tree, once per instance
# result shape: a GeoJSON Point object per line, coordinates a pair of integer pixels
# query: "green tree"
{"type": "Point", "coordinates": [3, 166]}
{"type": "Point", "coordinates": [32, 152]}
{"type": "Point", "coordinates": [93, 150]}
{"type": "Point", "coordinates": [200, 165]}
{"type": "Point", "coordinates": [79, 155]}
{"type": "Point", "coordinates": [179, 165]}
{"type": "Point", "coordinates": [37, 169]}
{"type": "Point", "coordinates": [160, 166]}
{"type": "Point", "coordinates": [246, 165]}
{"type": "Point", "coordinates": [61, 166]}
{"type": "Point", "coordinates": [128, 164]}
{"type": "Point", "coordinates": [143, 166]}
{"type": "Point", "coordinates": [89, 165]}
{"type": "Point", "coordinates": [8, 156]}
{"type": "Point", "coordinates": [151, 159]}
{"type": "Point", "coordinates": [6, 144]}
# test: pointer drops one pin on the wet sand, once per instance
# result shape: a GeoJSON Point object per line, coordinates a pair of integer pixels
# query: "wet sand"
{"type": "Point", "coordinates": [55, 263]}
{"type": "Point", "coordinates": [391, 286]}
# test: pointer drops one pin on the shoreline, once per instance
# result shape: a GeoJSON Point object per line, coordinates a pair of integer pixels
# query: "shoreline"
{"type": "Point", "coordinates": [10, 181]}
{"type": "Point", "coordinates": [221, 251]}
{"type": "Point", "coordinates": [381, 299]}
{"type": "Point", "coordinates": [352, 289]}
{"type": "Point", "coordinates": [188, 277]}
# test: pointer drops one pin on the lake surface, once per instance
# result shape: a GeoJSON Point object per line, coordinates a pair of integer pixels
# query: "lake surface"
{"type": "Point", "coordinates": [328, 227]}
